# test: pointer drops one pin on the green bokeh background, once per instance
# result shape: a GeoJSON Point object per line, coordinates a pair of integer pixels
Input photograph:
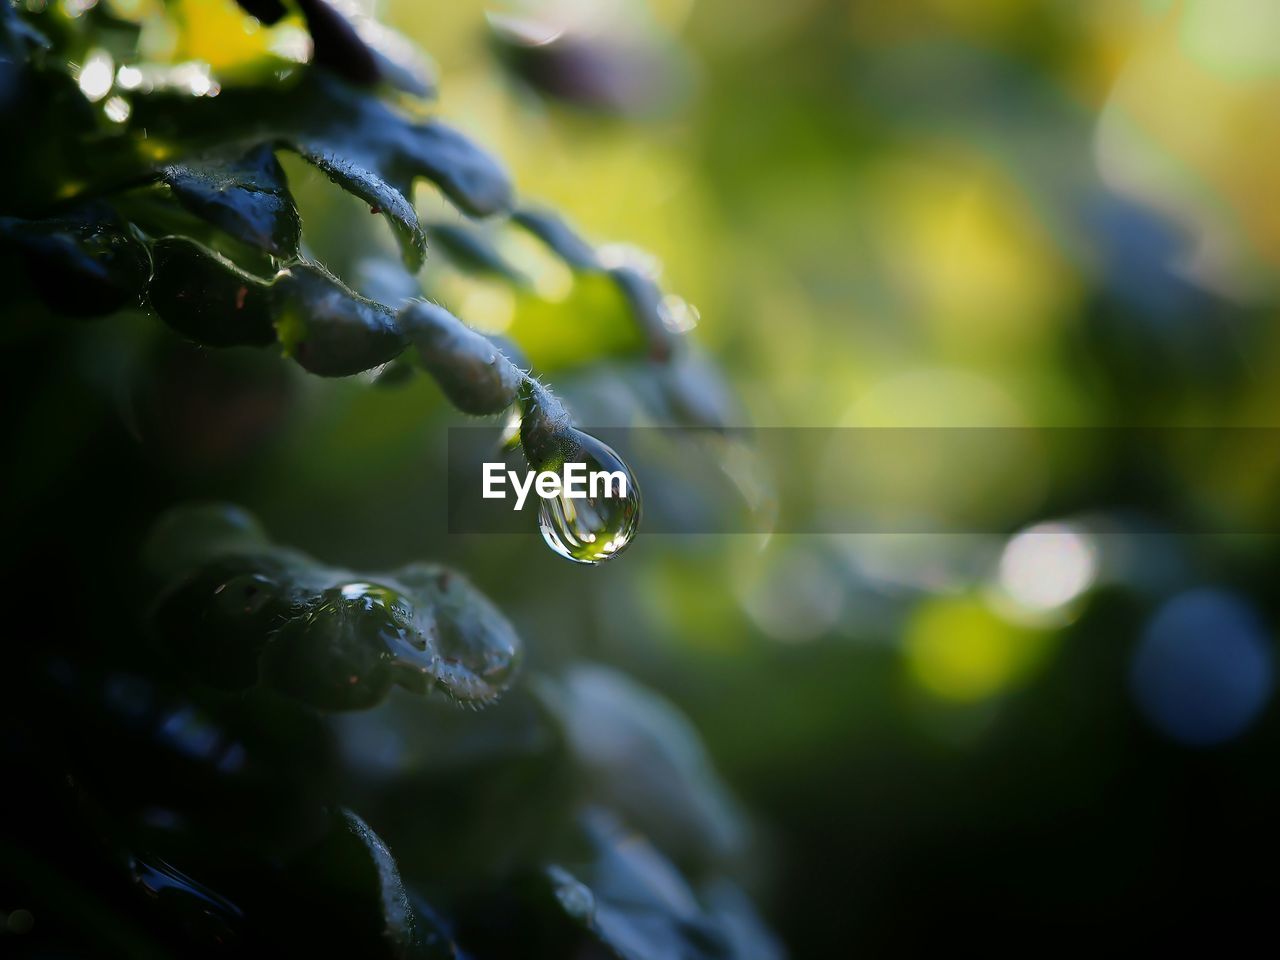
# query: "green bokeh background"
{"type": "Point", "coordinates": [922, 213]}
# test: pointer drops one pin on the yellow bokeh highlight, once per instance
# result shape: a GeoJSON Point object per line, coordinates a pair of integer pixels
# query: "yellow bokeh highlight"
{"type": "Point", "coordinates": [957, 649]}
{"type": "Point", "coordinates": [219, 33]}
{"type": "Point", "coordinates": [1198, 87]}
{"type": "Point", "coordinates": [967, 250]}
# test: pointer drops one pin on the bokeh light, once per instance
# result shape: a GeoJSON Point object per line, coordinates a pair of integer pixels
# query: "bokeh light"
{"type": "Point", "coordinates": [1044, 568]}
{"type": "Point", "coordinates": [959, 650]}
{"type": "Point", "coordinates": [1202, 672]}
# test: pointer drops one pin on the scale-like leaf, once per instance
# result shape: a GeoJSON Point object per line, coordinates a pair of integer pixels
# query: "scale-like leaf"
{"type": "Point", "coordinates": [642, 758]}
{"type": "Point", "coordinates": [362, 142]}
{"type": "Point", "coordinates": [335, 43]}
{"type": "Point", "coordinates": [353, 874]}
{"type": "Point", "coordinates": [632, 900]}
{"type": "Point", "coordinates": [473, 373]}
{"type": "Point", "coordinates": [246, 196]}
{"type": "Point", "coordinates": [382, 198]}
{"type": "Point", "coordinates": [206, 297]}
{"type": "Point", "coordinates": [328, 328]}
{"type": "Point", "coordinates": [618, 897]}
{"type": "Point", "coordinates": [86, 263]}
{"type": "Point", "coordinates": [245, 613]}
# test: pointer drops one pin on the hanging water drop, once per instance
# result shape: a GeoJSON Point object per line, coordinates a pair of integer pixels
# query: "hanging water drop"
{"type": "Point", "coordinates": [599, 526]}
{"type": "Point", "coordinates": [584, 529]}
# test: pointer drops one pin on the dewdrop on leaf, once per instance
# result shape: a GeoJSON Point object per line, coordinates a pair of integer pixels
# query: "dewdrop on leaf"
{"type": "Point", "coordinates": [585, 529]}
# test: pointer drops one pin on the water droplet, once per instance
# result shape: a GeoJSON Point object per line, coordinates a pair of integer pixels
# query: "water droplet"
{"type": "Point", "coordinates": [474, 651]}
{"type": "Point", "coordinates": [582, 529]}
{"type": "Point", "coordinates": [599, 526]}
{"type": "Point", "coordinates": [351, 645]}
{"type": "Point", "coordinates": [677, 314]}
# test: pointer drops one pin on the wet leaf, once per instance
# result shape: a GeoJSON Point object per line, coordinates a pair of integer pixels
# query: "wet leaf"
{"type": "Point", "coordinates": [84, 264]}
{"type": "Point", "coordinates": [476, 650]}
{"type": "Point", "coordinates": [200, 775]}
{"type": "Point", "coordinates": [616, 896]}
{"type": "Point", "coordinates": [340, 30]}
{"type": "Point", "coordinates": [422, 764]}
{"type": "Point", "coordinates": [327, 327]}
{"type": "Point", "coordinates": [473, 373]}
{"type": "Point", "coordinates": [381, 197]}
{"type": "Point", "coordinates": [643, 759]}
{"type": "Point", "coordinates": [352, 878]}
{"type": "Point", "coordinates": [207, 298]}
{"type": "Point", "coordinates": [336, 44]}
{"type": "Point", "coordinates": [246, 196]}
{"type": "Point", "coordinates": [348, 646]}
{"type": "Point", "coordinates": [363, 143]}
{"type": "Point", "coordinates": [241, 612]}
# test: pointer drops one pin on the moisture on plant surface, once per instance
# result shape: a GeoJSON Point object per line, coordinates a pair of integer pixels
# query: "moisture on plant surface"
{"type": "Point", "coordinates": [637, 479]}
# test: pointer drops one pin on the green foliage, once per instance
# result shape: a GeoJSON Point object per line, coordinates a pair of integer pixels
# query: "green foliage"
{"type": "Point", "coordinates": [471, 371]}
{"type": "Point", "coordinates": [218, 754]}
{"type": "Point", "coordinates": [240, 612]}
{"type": "Point", "coordinates": [204, 296]}
{"type": "Point", "coordinates": [194, 182]}
{"type": "Point", "coordinates": [83, 264]}
{"type": "Point", "coordinates": [329, 329]}
{"type": "Point", "coordinates": [245, 196]}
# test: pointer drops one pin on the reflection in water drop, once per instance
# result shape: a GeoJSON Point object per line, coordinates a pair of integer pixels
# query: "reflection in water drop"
{"type": "Point", "coordinates": [677, 314]}
{"type": "Point", "coordinates": [599, 526]}
{"type": "Point", "coordinates": [584, 529]}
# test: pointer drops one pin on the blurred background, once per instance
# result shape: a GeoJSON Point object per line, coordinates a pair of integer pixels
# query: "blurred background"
{"type": "Point", "coordinates": [919, 213]}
